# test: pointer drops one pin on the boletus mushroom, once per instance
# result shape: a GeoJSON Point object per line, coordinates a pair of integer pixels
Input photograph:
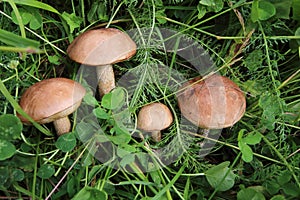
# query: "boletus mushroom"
{"type": "Point", "coordinates": [52, 100]}
{"type": "Point", "coordinates": [154, 118]}
{"type": "Point", "coordinates": [102, 48]}
{"type": "Point", "coordinates": [213, 103]}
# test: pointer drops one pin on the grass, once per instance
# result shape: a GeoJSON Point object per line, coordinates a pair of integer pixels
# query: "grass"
{"type": "Point", "coordinates": [254, 43]}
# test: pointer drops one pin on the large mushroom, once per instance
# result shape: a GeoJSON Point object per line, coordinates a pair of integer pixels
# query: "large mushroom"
{"type": "Point", "coordinates": [213, 103]}
{"type": "Point", "coordinates": [102, 48]}
{"type": "Point", "coordinates": [52, 100]}
{"type": "Point", "coordinates": [154, 118]}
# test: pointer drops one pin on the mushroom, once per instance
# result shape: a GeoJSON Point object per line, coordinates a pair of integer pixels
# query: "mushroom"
{"type": "Point", "coordinates": [154, 118]}
{"type": "Point", "coordinates": [102, 48]}
{"type": "Point", "coordinates": [213, 103]}
{"type": "Point", "coordinates": [52, 100]}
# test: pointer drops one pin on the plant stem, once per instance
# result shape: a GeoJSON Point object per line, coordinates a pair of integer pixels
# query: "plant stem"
{"type": "Point", "coordinates": [170, 184]}
{"type": "Point", "coordinates": [67, 172]}
{"type": "Point", "coordinates": [113, 16]}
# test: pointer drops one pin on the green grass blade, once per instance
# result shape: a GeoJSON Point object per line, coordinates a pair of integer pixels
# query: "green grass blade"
{"type": "Point", "coordinates": [164, 190]}
{"type": "Point", "coordinates": [36, 4]}
{"type": "Point", "coordinates": [12, 39]}
{"type": "Point", "coordinates": [18, 16]}
{"type": "Point", "coordinates": [21, 49]}
{"type": "Point", "coordinates": [23, 190]}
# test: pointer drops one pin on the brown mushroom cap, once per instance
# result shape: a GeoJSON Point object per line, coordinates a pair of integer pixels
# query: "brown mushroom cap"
{"type": "Point", "coordinates": [101, 47]}
{"type": "Point", "coordinates": [154, 117]}
{"type": "Point", "coordinates": [51, 99]}
{"type": "Point", "coordinates": [214, 103]}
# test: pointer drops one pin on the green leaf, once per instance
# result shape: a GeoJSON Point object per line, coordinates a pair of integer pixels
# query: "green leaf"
{"type": "Point", "coordinates": [26, 16]}
{"type": "Point", "coordinates": [16, 40]}
{"type": "Point", "coordinates": [17, 175]}
{"type": "Point", "coordinates": [72, 20]}
{"type": "Point", "coordinates": [128, 159]}
{"type": "Point", "coordinates": [155, 176]}
{"type": "Point", "coordinates": [119, 138]}
{"type": "Point", "coordinates": [296, 9]}
{"type": "Point", "coordinates": [254, 60]}
{"type": "Point", "coordinates": [217, 6]}
{"type": "Point", "coordinates": [122, 152]}
{"type": "Point", "coordinates": [297, 33]}
{"type": "Point", "coordinates": [89, 99]}
{"type": "Point", "coordinates": [250, 194]}
{"type": "Point", "coordinates": [10, 127]}
{"type": "Point", "coordinates": [121, 135]}
{"type": "Point", "coordinates": [90, 193]}
{"type": "Point", "coordinates": [266, 10]}
{"type": "Point", "coordinates": [143, 159]}
{"type": "Point", "coordinates": [247, 153]}
{"type": "Point", "coordinates": [66, 142]}
{"type": "Point", "coordinates": [278, 197]}
{"type": "Point", "coordinates": [31, 16]}
{"type": "Point", "coordinates": [36, 21]}
{"type": "Point", "coordinates": [125, 149]}
{"type": "Point", "coordinates": [114, 99]}
{"type": "Point", "coordinates": [216, 174]}
{"type": "Point", "coordinates": [85, 131]}
{"type": "Point", "coordinates": [201, 11]}
{"type": "Point", "coordinates": [128, 148]}
{"type": "Point", "coordinates": [241, 134]}
{"type": "Point", "coordinates": [252, 138]}
{"type": "Point", "coordinates": [7, 149]}
{"type": "Point", "coordinates": [283, 8]}
{"type": "Point", "coordinates": [291, 189]}
{"type": "Point", "coordinates": [207, 2]}
{"type": "Point", "coordinates": [159, 14]}
{"type": "Point", "coordinates": [46, 171]}
{"type": "Point", "coordinates": [36, 4]}
{"type": "Point", "coordinates": [272, 187]}
{"type": "Point", "coordinates": [54, 59]}
{"type": "Point", "coordinates": [272, 106]}
{"type": "Point", "coordinates": [101, 113]}
{"type": "Point", "coordinates": [262, 10]}
{"type": "Point", "coordinates": [284, 177]}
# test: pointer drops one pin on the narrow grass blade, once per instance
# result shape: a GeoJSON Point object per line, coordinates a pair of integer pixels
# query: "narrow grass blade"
{"type": "Point", "coordinates": [12, 39]}
{"type": "Point", "coordinates": [36, 4]}
{"type": "Point", "coordinates": [21, 49]}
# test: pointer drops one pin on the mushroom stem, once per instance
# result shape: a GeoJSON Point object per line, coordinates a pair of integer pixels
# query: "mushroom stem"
{"type": "Point", "coordinates": [62, 125]}
{"type": "Point", "coordinates": [106, 79]}
{"type": "Point", "coordinates": [156, 136]}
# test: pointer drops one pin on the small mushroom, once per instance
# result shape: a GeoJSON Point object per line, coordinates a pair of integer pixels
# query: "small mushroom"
{"type": "Point", "coordinates": [102, 48]}
{"type": "Point", "coordinates": [213, 103]}
{"type": "Point", "coordinates": [154, 118]}
{"type": "Point", "coordinates": [52, 100]}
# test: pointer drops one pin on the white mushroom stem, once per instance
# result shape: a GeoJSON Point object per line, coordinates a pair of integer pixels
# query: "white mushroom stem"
{"type": "Point", "coordinates": [62, 125]}
{"type": "Point", "coordinates": [156, 136]}
{"type": "Point", "coordinates": [106, 79]}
